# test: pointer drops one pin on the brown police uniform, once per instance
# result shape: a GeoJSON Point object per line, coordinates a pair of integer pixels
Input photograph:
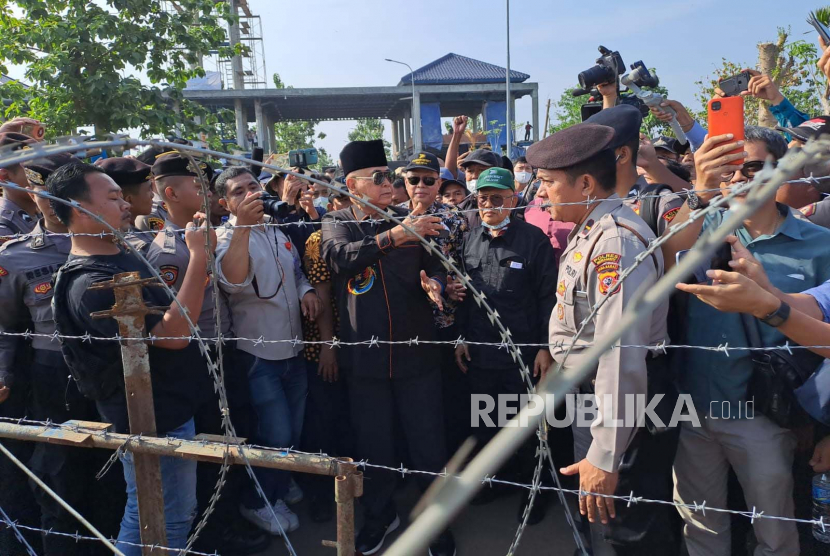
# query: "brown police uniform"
{"type": "Point", "coordinates": [600, 248]}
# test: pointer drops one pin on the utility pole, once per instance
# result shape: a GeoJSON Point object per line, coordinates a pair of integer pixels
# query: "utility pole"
{"type": "Point", "coordinates": [129, 311]}
{"type": "Point", "coordinates": [507, 83]}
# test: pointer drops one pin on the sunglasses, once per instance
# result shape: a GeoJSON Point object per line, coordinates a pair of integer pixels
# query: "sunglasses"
{"type": "Point", "coordinates": [494, 201]}
{"type": "Point", "coordinates": [748, 169]}
{"type": "Point", "coordinates": [378, 177]}
{"type": "Point", "coordinates": [415, 180]}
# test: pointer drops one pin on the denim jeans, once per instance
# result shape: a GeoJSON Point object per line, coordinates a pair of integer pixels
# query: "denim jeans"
{"type": "Point", "coordinates": [178, 481]}
{"type": "Point", "coordinates": [278, 394]}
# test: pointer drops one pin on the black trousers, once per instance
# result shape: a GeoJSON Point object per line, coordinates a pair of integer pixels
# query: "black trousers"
{"type": "Point", "coordinates": [375, 405]}
{"type": "Point", "coordinates": [645, 469]}
{"type": "Point", "coordinates": [208, 421]}
{"type": "Point", "coordinates": [15, 497]}
{"type": "Point", "coordinates": [70, 471]}
{"type": "Point", "coordinates": [326, 427]}
{"type": "Point", "coordinates": [456, 392]}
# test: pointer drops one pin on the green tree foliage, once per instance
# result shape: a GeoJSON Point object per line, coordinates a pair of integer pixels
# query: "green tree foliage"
{"type": "Point", "coordinates": [84, 60]}
{"type": "Point", "coordinates": [293, 135]}
{"type": "Point", "coordinates": [368, 129]}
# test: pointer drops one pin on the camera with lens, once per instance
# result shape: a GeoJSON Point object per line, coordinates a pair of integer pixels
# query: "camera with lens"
{"type": "Point", "coordinates": [608, 67]}
{"type": "Point", "coordinates": [274, 207]}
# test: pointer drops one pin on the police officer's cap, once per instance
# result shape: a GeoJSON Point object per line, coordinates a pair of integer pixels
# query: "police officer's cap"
{"type": "Point", "coordinates": [12, 141]}
{"type": "Point", "coordinates": [174, 164]}
{"type": "Point", "coordinates": [423, 161]}
{"type": "Point", "coordinates": [125, 171]}
{"type": "Point", "coordinates": [624, 119]}
{"type": "Point", "coordinates": [570, 146]}
{"type": "Point", "coordinates": [41, 168]}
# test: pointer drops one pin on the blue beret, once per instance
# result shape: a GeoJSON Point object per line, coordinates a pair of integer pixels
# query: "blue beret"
{"type": "Point", "coordinates": [570, 146]}
{"type": "Point", "coordinates": [624, 119]}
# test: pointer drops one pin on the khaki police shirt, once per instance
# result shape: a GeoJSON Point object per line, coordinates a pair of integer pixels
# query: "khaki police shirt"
{"type": "Point", "coordinates": [818, 213]}
{"type": "Point", "coordinates": [267, 303]}
{"type": "Point", "coordinates": [668, 205]}
{"type": "Point", "coordinates": [170, 255]}
{"type": "Point", "coordinates": [155, 220]}
{"type": "Point", "coordinates": [14, 221]}
{"type": "Point", "coordinates": [599, 251]}
{"type": "Point", "coordinates": [26, 268]}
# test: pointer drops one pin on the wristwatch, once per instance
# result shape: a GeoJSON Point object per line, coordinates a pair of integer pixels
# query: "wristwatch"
{"type": "Point", "coordinates": [777, 317]}
{"type": "Point", "coordinates": [695, 202]}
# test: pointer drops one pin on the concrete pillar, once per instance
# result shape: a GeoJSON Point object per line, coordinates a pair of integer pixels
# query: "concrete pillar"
{"type": "Point", "coordinates": [395, 147]}
{"type": "Point", "coordinates": [534, 97]}
{"type": "Point", "coordinates": [416, 123]}
{"type": "Point", "coordinates": [272, 137]}
{"type": "Point", "coordinates": [407, 131]}
{"type": "Point", "coordinates": [268, 131]}
{"type": "Point", "coordinates": [241, 124]}
{"type": "Point", "coordinates": [261, 131]}
{"type": "Point", "coordinates": [233, 40]}
{"type": "Point", "coordinates": [400, 136]}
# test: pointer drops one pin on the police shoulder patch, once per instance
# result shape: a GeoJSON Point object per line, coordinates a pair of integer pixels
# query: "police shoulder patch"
{"type": "Point", "coordinates": [607, 268]}
{"type": "Point", "coordinates": [669, 215]}
{"type": "Point", "coordinates": [809, 210]}
{"type": "Point", "coordinates": [155, 224]}
{"type": "Point", "coordinates": [42, 288]}
{"type": "Point", "coordinates": [3, 272]}
{"type": "Point", "coordinates": [169, 273]}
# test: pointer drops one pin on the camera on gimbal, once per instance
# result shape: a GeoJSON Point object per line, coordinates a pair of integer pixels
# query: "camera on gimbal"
{"type": "Point", "coordinates": [609, 66]}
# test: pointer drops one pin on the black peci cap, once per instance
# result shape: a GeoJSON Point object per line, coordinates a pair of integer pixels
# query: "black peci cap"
{"type": "Point", "coordinates": [358, 155]}
{"type": "Point", "coordinates": [570, 146]}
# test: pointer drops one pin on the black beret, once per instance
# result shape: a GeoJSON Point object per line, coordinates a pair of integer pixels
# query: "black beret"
{"type": "Point", "coordinates": [358, 155]}
{"type": "Point", "coordinates": [125, 171]}
{"type": "Point", "coordinates": [570, 146]}
{"type": "Point", "coordinates": [174, 164]}
{"type": "Point", "coordinates": [13, 141]}
{"type": "Point", "coordinates": [624, 119]}
{"type": "Point", "coordinates": [149, 155]}
{"type": "Point", "coordinates": [424, 161]}
{"type": "Point", "coordinates": [41, 168]}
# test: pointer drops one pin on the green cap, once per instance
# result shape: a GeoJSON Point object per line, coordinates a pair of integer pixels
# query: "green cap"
{"type": "Point", "coordinates": [496, 177]}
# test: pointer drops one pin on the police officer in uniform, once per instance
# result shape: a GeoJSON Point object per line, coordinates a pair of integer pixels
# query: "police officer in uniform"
{"type": "Point", "coordinates": [134, 178]}
{"type": "Point", "coordinates": [18, 212]}
{"type": "Point", "coordinates": [577, 165]}
{"type": "Point", "coordinates": [179, 186]}
{"type": "Point", "coordinates": [657, 212]}
{"type": "Point", "coordinates": [28, 264]}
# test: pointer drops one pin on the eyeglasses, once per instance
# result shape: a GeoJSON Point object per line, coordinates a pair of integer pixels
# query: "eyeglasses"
{"type": "Point", "coordinates": [415, 180]}
{"type": "Point", "coordinates": [494, 201]}
{"type": "Point", "coordinates": [377, 177]}
{"type": "Point", "coordinates": [749, 169]}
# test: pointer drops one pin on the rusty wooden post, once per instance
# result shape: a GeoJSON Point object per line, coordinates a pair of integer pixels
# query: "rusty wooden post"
{"type": "Point", "coordinates": [129, 311]}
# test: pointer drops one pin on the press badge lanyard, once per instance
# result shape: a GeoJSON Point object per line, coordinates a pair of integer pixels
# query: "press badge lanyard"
{"type": "Point", "coordinates": [275, 252]}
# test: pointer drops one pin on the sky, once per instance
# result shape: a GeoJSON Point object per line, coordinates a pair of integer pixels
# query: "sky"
{"type": "Point", "coordinates": [335, 43]}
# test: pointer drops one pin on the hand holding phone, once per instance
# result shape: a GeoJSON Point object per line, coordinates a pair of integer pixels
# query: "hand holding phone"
{"type": "Point", "coordinates": [735, 85]}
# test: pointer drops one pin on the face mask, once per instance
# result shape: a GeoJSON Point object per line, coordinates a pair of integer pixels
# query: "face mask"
{"type": "Point", "coordinates": [471, 185]}
{"type": "Point", "coordinates": [523, 177]}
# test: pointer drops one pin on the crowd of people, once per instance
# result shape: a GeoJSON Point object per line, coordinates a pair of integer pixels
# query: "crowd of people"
{"type": "Point", "coordinates": [544, 237]}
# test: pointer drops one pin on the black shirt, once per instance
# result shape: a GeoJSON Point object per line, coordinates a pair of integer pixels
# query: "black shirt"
{"type": "Point", "coordinates": [517, 274]}
{"type": "Point", "coordinates": [378, 291]}
{"type": "Point", "coordinates": [179, 377]}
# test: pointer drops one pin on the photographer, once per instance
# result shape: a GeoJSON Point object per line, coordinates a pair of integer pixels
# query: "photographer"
{"type": "Point", "coordinates": [759, 450]}
{"type": "Point", "coordinates": [259, 268]}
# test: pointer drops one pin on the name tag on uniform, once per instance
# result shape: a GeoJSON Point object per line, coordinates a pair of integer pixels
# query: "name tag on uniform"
{"type": "Point", "coordinates": [515, 264]}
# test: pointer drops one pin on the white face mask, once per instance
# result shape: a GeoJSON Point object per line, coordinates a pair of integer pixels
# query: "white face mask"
{"type": "Point", "coordinates": [523, 177]}
{"type": "Point", "coordinates": [471, 185]}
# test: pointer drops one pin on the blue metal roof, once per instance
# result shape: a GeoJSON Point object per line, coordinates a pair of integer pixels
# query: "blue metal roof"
{"type": "Point", "coordinates": [454, 68]}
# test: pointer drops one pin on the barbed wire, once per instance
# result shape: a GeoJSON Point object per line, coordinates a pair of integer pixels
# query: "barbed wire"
{"type": "Point", "coordinates": [377, 342]}
{"type": "Point", "coordinates": [488, 480]}
{"type": "Point", "coordinates": [5, 519]}
{"type": "Point", "coordinates": [374, 221]}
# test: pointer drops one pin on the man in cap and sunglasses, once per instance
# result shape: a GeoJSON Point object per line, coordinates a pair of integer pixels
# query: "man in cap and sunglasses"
{"type": "Point", "coordinates": [384, 282]}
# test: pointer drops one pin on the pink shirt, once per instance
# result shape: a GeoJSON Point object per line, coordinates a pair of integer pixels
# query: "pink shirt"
{"type": "Point", "coordinates": [555, 230]}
